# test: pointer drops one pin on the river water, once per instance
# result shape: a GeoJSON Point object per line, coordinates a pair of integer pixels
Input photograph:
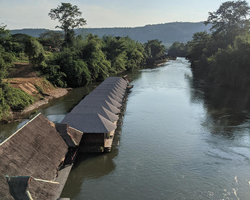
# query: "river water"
{"type": "Point", "coordinates": [180, 139]}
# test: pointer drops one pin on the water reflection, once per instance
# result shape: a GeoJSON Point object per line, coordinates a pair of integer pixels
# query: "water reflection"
{"type": "Point", "coordinates": [227, 110]}
{"type": "Point", "coordinates": [90, 166]}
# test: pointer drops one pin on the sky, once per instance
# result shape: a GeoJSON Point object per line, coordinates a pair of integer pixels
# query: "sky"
{"type": "Point", "coordinates": [19, 14]}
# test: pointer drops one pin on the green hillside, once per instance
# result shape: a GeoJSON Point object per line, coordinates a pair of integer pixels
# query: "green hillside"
{"type": "Point", "coordinates": [167, 33]}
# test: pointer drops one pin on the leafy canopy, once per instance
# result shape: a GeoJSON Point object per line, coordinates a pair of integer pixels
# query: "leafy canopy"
{"type": "Point", "coordinates": [68, 16]}
{"type": "Point", "coordinates": [231, 19]}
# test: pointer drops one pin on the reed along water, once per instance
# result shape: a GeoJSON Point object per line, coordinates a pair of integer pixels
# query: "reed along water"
{"type": "Point", "coordinates": [180, 139]}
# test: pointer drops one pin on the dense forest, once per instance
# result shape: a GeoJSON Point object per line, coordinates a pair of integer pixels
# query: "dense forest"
{"type": "Point", "coordinates": [221, 57]}
{"type": "Point", "coordinates": [66, 59]}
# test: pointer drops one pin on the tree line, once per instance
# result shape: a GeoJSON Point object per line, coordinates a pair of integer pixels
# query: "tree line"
{"type": "Point", "coordinates": [223, 55]}
{"type": "Point", "coordinates": [66, 59]}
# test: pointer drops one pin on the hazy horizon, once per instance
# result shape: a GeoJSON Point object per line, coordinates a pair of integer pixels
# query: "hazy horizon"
{"type": "Point", "coordinates": [26, 14]}
{"type": "Point", "coordinates": [106, 27]}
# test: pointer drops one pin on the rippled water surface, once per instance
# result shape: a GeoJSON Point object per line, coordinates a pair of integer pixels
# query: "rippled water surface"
{"type": "Point", "coordinates": [180, 139]}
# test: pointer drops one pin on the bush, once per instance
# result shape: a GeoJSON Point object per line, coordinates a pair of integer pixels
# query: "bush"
{"type": "Point", "coordinates": [16, 99]}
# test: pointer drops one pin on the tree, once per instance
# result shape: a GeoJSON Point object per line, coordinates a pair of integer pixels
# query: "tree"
{"type": "Point", "coordinates": [6, 61]}
{"type": "Point", "coordinates": [154, 48]}
{"type": "Point", "coordinates": [4, 34]}
{"type": "Point", "coordinates": [231, 19]}
{"type": "Point", "coordinates": [68, 17]}
{"type": "Point", "coordinates": [51, 38]}
{"type": "Point", "coordinates": [35, 51]}
{"type": "Point", "coordinates": [178, 49]}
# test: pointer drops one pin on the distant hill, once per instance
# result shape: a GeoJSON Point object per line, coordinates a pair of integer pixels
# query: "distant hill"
{"type": "Point", "coordinates": [167, 33]}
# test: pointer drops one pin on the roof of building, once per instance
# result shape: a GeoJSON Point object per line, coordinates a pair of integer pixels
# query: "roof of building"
{"type": "Point", "coordinates": [35, 150]}
{"type": "Point", "coordinates": [115, 80]}
{"type": "Point", "coordinates": [104, 103]}
{"type": "Point", "coordinates": [108, 90]}
{"type": "Point", "coordinates": [107, 93]}
{"type": "Point", "coordinates": [119, 86]}
{"type": "Point", "coordinates": [71, 136]}
{"type": "Point", "coordinates": [96, 109]}
{"type": "Point", "coordinates": [26, 187]}
{"type": "Point", "coordinates": [89, 122]}
{"type": "Point", "coordinates": [103, 97]}
{"type": "Point", "coordinates": [111, 87]}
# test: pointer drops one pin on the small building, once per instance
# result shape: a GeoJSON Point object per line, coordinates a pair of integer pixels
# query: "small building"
{"type": "Point", "coordinates": [97, 131]}
{"type": "Point", "coordinates": [96, 109]}
{"type": "Point", "coordinates": [35, 150]}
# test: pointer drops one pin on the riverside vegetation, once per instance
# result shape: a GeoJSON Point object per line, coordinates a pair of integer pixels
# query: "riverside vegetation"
{"type": "Point", "coordinates": [66, 59]}
{"type": "Point", "coordinates": [223, 55]}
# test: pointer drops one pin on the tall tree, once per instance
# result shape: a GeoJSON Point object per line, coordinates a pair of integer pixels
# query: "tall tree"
{"type": "Point", "coordinates": [52, 38]}
{"type": "Point", "coordinates": [35, 51]}
{"type": "Point", "coordinates": [230, 20]}
{"type": "Point", "coordinates": [68, 16]}
{"type": "Point", "coordinates": [154, 48]}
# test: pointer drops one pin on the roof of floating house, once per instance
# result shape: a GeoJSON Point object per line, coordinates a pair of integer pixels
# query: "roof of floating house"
{"type": "Point", "coordinates": [115, 79]}
{"type": "Point", "coordinates": [104, 103]}
{"type": "Point", "coordinates": [120, 82]}
{"type": "Point", "coordinates": [35, 150]}
{"type": "Point", "coordinates": [109, 87]}
{"type": "Point", "coordinates": [109, 90]}
{"type": "Point", "coordinates": [118, 85]}
{"type": "Point", "coordinates": [26, 187]}
{"type": "Point", "coordinates": [96, 109]}
{"type": "Point", "coordinates": [89, 122]}
{"type": "Point", "coordinates": [107, 93]}
{"type": "Point", "coordinates": [104, 97]}
{"type": "Point", "coordinates": [71, 136]}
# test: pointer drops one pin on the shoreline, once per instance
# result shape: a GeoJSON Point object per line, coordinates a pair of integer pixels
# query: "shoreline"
{"type": "Point", "coordinates": [54, 94]}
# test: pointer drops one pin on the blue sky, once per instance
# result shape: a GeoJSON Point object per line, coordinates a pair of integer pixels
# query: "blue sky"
{"type": "Point", "coordinates": [17, 14]}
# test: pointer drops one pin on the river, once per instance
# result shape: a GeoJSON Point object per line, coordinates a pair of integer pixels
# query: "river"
{"type": "Point", "coordinates": [180, 139]}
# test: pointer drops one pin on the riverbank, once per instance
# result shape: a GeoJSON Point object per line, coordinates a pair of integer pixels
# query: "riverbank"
{"type": "Point", "coordinates": [25, 78]}
{"type": "Point", "coordinates": [54, 94]}
{"type": "Point", "coordinates": [158, 61]}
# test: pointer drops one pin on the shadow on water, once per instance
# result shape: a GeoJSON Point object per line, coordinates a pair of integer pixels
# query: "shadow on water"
{"type": "Point", "coordinates": [90, 166]}
{"type": "Point", "coordinates": [226, 109]}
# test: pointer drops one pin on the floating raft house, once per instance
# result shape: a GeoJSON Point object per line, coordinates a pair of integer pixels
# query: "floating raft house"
{"type": "Point", "coordinates": [36, 160]}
